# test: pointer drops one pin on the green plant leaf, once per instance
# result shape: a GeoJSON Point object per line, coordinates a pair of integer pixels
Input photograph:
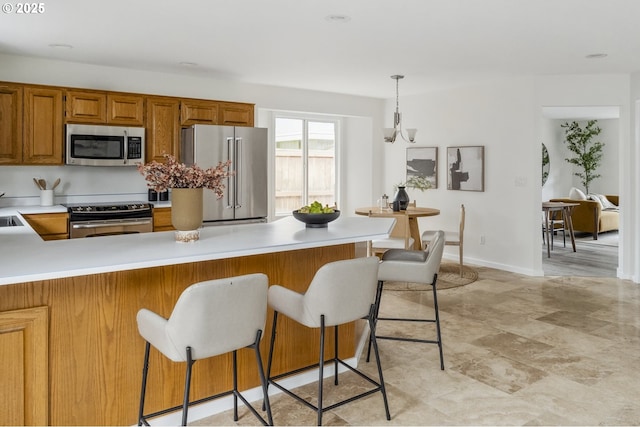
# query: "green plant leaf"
{"type": "Point", "coordinates": [588, 153]}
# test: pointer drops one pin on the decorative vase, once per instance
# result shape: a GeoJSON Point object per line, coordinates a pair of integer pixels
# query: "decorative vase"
{"type": "Point", "coordinates": [402, 198]}
{"type": "Point", "coordinates": [186, 213]}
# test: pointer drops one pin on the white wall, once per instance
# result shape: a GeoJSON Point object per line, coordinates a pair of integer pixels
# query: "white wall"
{"type": "Point", "coordinates": [499, 116]}
{"type": "Point", "coordinates": [356, 144]}
{"type": "Point", "coordinates": [557, 179]}
{"type": "Point", "coordinates": [561, 173]}
{"type": "Point", "coordinates": [630, 158]}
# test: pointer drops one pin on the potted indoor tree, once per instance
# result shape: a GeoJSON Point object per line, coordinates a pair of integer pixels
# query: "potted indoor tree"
{"type": "Point", "coordinates": [587, 151]}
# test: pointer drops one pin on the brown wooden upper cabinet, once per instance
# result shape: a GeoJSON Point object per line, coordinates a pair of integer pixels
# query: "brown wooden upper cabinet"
{"type": "Point", "coordinates": [198, 112]}
{"type": "Point", "coordinates": [30, 125]}
{"type": "Point", "coordinates": [85, 107]}
{"type": "Point", "coordinates": [43, 135]}
{"type": "Point", "coordinates": [32, 119]}
{"type": "Point", "coordinates": [235, 114]}
{"type": "Point", "coordinates": [125, 109]}
{"type": "Point", "coordinates": [102, 107]}
{"type": "Point", "coordinates": [10, 124]}
{"type": "Point", "coordinates": [163, 127]}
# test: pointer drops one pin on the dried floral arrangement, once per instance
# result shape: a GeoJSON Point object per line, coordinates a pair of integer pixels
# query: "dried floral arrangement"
{"type": "Point", "coordinates": [173, 174]}
{"type": "Point", "coordinates": [418, 182]}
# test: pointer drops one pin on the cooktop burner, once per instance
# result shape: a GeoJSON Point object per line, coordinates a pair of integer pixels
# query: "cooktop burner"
{"type": "Point", "coordinates": [108, 207]}
{"type": "Point", "coordinates": [109, 210]}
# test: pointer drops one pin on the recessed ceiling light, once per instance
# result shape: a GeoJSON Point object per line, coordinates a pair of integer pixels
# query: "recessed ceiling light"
{"type": "Point", "coordinates": [60, 46]}
{"type": "Point", "coordinates": [341, 19]}
{"type": "Point", "coordinates": [187, 64]}
{"type": "Point", "coordinates": [596, 56]}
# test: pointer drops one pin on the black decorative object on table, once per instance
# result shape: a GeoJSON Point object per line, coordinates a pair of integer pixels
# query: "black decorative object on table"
{"type": "Point", "coordinates": [316, 220]}
{"type": "Point", "coordinates": [402, 198]}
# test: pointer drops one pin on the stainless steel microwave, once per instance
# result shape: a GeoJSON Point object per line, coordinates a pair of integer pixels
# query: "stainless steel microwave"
{"type": "Point", "coordinates": [97, 145]}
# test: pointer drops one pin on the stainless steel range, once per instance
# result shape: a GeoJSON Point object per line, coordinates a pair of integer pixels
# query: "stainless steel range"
{"type": "Point", "coordinates": [107, 219]}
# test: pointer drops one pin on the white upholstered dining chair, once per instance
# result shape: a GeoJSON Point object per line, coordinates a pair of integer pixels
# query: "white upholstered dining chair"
{"type": "Point", "coordinates": [451, 238]}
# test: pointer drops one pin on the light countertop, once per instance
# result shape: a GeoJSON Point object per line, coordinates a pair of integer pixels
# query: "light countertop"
{"type": "Point", "coordinates": [35, 209]}
{"type": "Point", "coordinates": [25, 257]}
{"type": "Point", "coordinates": [19, 235]}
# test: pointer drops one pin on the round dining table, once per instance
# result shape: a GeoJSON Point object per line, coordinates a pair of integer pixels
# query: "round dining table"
{"type": "Point", "coordinates": [413, 213]}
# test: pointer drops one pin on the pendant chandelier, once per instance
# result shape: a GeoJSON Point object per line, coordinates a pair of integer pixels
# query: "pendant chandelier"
{"type": "Point", "coordinates": [390, 134]}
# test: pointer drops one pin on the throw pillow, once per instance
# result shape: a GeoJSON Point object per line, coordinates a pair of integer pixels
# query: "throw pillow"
{"type": "Point", "coordinates": [606, 204]}
{"type": "Point", "coordinates": [577, 194]}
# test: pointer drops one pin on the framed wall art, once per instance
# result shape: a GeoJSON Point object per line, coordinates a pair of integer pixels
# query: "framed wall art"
{"type": "Point", "coordinates": [465, 168]}
{"type": "Point", "coordinates": [422, 162]}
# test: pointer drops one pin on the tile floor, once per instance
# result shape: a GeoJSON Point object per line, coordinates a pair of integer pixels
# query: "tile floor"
{"type": "Point", "coordinates": [518, 350]}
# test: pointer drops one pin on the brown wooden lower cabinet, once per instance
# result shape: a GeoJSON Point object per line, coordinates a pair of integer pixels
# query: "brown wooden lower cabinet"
{"type": "Point", "coordinates": [23, 367]}
{"type": "Point", "coordinates": [95, 351]}
{"type": "Point", "coordinates": [162, 219]}
{"type": "Point", "coordinates": [50, 226]}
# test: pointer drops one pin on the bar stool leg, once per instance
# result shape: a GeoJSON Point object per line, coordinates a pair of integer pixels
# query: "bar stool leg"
{"type": "Point", "coordinates": [143, 391]}
{"type": "Point", "coordinates": [235, 385]}
{"type": "Point", "coordinates": [372, 326]}
{"type": "Point", "coordinates": [187, 386]}
{"type": "Point", "coordinates": [271, 345]}
{"type": "Point", "coordinates": [335, 354]}
{"type": "Point", "coordinates": [435, 307]}
{"type": "Point", "coordinates": [321, 370]}
{"type": "Point", "coordinates": [377, 310]}
{"type": "Point", "coordinates": [263, 381]}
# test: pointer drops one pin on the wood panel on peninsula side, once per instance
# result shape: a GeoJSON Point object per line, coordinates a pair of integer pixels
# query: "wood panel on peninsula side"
{"type": "Point", "coordinates": [95, 351]}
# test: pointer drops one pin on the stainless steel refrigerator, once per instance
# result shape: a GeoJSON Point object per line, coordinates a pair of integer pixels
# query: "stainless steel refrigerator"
{"type": "Point", "coordinates": [245, 195]}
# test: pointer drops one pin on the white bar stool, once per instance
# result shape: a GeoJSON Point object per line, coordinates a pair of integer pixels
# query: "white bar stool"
{"type": "Point", "coordinates": [416, 267]}
{"type": "Point", "coordinates": [210, 318]}
{"type": "Point", "coordinates": [340, 292]}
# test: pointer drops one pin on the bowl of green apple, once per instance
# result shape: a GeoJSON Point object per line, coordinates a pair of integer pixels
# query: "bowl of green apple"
{"type": "Point", "coordinates": [315, 215]}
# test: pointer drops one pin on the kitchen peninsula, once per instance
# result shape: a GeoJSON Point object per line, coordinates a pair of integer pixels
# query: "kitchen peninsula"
{"type": "Point", "coordinates": [88, 291]}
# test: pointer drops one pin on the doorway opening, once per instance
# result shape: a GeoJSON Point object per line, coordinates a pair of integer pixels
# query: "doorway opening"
{"type": "Point", "coordinates": [592, 257]}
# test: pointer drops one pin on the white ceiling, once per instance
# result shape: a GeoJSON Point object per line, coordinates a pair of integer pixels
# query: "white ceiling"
{"type": "Point", "coordinates": [435, 43]}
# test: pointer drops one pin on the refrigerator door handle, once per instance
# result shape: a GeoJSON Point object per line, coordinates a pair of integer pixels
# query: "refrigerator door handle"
{"type": "Point", "coordinates": [237, 153]}
{"type": "Point", "coordinates": [230, 156]}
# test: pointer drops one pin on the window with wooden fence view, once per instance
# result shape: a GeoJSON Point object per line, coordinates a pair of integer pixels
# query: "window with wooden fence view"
{"type": "Point", "coordinates": [305, 163]}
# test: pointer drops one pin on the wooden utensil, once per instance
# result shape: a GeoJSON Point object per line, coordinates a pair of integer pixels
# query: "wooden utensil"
{"type": "Point", "coordinates": [43, 184]}
{"type": "Point", "coordinates": [38, 184]}
{"type": "Point", "coordinates": [55, 184]}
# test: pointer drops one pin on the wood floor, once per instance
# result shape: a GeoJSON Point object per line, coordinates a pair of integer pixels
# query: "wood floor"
{"type": "Point", "coordinates": [593, 258]}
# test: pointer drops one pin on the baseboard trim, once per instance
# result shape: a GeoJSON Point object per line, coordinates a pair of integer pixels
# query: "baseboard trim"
{"type": "Point", "coordinates": [498, 266]}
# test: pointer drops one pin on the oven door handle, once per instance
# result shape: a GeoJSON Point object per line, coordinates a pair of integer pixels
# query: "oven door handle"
{"type": "Point", "coordinates": [110, 224]}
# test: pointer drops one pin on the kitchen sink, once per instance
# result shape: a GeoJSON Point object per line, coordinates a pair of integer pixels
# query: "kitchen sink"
{"type": "Point", "coordinates": [10, 221]}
